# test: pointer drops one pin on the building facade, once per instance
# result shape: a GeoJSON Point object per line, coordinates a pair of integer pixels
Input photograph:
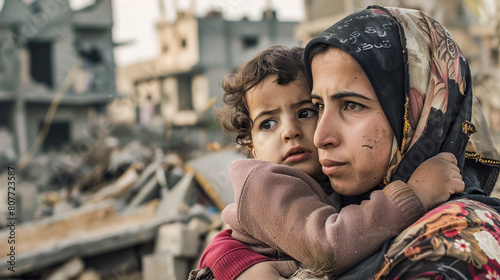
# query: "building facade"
{"type": "Point", "coordinates": [57, 70]}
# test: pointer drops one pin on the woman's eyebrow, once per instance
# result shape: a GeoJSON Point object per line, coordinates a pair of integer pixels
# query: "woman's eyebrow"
{"type": "Point", "coordinates": [314, 96]}
{"type": "Point", "coordinates": [348, 94]}
{"type": "Point", "coordinates": [341, 95]}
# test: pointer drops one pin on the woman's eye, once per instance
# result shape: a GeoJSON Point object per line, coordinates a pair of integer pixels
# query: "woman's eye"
{"type": "Point", "coordinates": [268, 124]}
{"type": "Point", "coordinates": [352, 106]}
{"type": "Point", "coordinates": [307, 113]}
{"type": "Point", "coordinates": [320, 107]}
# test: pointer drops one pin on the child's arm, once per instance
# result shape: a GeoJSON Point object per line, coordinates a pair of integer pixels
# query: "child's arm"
{"type": "Point", "coordinates": [227, 257]}
{"type": "Point", "coordinates": [283, 208]}
{"type": "Point", "coordinates": [436, 179]}
{"type": "Point", "coordinates": [269, 270]}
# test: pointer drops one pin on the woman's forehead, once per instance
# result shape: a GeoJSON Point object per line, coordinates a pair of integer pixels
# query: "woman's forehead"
{"type": "Point", "coordinates": [335, 70]}
{"type": "Point", "coordinates": [335, 57]}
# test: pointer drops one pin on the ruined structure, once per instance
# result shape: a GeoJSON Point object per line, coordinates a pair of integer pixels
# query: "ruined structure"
{"type": "Point", "coordinates": [56, 70]}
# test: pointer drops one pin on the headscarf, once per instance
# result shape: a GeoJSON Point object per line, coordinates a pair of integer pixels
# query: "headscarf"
{"type": "Point", "coordinates": [423, 83]}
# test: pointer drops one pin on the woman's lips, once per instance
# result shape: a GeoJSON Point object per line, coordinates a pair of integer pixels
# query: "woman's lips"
{"type": "Point", "coordinates": [332, 168]}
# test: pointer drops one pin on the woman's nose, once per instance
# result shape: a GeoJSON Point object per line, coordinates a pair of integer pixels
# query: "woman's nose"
{"type": "Point", "coordinates": [325, 135]}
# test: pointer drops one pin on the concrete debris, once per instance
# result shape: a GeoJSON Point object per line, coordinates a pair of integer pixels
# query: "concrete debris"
{"type": "Point", "coordinates": [68, 270]}
{"type": "Point", "coordinates": [199, 225]}
{"type": "Point", "coordinates": [7, 149]}
{"type": "Point", "coordinates": [116, 212]}
{"type": "Point", "coordinates": [120, 186]}
{"type": "Point", "coordinates": [89, 274]}
{"type": "Point", "coordinates": [162, 266]}
{"type": "Point", "coordinates": [174, 202]}
{"type": "Point", "coordinates": [212, 171]}
{"type": "Point", "coordinates": [178, 239]}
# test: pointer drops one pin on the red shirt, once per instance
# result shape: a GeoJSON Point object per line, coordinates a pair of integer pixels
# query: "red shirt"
{"type": "Point", "coordinates": [228, 258]}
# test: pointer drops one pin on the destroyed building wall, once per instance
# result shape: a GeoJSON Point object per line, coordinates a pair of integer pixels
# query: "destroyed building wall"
{"type": "Point", "coordinates": [69, 123]}
{"type": "Point", "coordinates": [179, 44]}
{"type": "Point", "coordinates": [52, 54]}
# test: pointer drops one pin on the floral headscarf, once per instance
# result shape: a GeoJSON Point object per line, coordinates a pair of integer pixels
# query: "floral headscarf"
{"type": "Point", "coordinates": [423, 83]}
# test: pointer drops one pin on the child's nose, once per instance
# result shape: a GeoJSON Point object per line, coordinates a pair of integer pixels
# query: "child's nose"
{"type": "Point", "coordinates": [291, 131]}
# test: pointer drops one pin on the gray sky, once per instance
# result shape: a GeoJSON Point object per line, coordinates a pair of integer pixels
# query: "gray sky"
{"type": "Point", "coordinates": [135, 20]}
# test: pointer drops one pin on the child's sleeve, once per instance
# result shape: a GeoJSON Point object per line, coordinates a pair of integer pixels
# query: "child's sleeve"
{"type": "Point", "coordinates": [228, 258]}
{"type": "Point", "coordinates": [286, 209]}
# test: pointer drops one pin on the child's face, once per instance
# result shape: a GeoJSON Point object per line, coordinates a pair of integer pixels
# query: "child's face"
{"type": "Point", "coordinates": [284, 121]}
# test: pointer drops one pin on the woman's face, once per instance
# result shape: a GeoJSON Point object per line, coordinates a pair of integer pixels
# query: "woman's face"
{"type": "Point", "coordinates": [353, 135]}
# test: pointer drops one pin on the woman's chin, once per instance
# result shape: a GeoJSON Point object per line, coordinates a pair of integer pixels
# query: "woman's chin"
{"type": "Point", "coordinates": [344, 189]}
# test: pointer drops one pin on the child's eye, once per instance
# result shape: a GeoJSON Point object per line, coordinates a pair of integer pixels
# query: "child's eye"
{"type": "Point", "coordinates": [307, 113]}
{"type": "Point", "coordinates": [267, 124]}
{"type": "Point", "coordinates": [352, 106]}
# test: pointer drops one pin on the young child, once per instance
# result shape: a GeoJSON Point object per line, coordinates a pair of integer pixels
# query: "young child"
{"type": "Point", "coordinates": [269, 109]}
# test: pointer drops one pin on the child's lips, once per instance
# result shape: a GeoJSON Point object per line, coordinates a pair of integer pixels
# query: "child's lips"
{"type": "Point", "coordinates": [297, 157]}
{"type": "Point", "coordinates": [297, 153]}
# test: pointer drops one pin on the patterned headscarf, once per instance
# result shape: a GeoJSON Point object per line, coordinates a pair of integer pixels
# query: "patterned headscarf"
{"type": "Point", "coordinates": [423, 83]}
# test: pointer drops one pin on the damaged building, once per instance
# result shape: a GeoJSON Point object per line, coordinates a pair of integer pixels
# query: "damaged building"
{"type": "Point", "coordinates": [178, 91]}
{"type": "Point", "coordinates": [57, 71]}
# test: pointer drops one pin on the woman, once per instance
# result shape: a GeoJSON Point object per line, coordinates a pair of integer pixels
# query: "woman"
{"type": "Point", "coordinates": [405, 51]}
{"type": "Point", "coordinates": [421, 83]}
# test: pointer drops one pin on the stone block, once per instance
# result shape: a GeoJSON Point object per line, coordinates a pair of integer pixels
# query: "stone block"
{"type": "Point", "coordinates": [68, 271]}
{"type": "Point", "coordinates": [90, 274]}
{"type": "Point", "coordinates": [201, 226]}
{"type": "Point", "coordinates": [178, 239]}
{"type": "Point", "coordinates": [162, 266]}
{"type": "Point", "coordinates": [174, 202]}
{"type": "Point", "coordinates": [27, 195]}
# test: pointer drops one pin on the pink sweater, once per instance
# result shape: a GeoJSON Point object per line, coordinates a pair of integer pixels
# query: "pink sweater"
{"type": "Point", "coordinates": [280, 210]}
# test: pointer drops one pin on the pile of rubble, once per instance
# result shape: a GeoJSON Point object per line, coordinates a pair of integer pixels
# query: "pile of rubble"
{"type": "Point", "coordinates": [128, 212]}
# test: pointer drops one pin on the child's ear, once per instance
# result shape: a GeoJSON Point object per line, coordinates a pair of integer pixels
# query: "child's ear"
{"type": "Point", "coordinates": [251, 149]}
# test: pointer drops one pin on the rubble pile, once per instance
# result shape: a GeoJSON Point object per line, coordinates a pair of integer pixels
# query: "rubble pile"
{"type": "Point", "coordinates": [119, 212]}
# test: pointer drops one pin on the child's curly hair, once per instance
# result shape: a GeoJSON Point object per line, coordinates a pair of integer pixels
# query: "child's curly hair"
{"type": "Point", "coordinates": [286, 63]}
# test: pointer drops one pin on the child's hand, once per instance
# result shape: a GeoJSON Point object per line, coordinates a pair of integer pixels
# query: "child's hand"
{"type": "Point", "coordinates": [269, 270]}
{"type": "Point", "coordinates": [436, 179]}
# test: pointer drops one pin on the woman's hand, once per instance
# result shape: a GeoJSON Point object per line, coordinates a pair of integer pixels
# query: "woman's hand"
{"type": "Point", "coordinates": [269, 270]}
{"type": "Point", "coordinates": [436, 179]}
